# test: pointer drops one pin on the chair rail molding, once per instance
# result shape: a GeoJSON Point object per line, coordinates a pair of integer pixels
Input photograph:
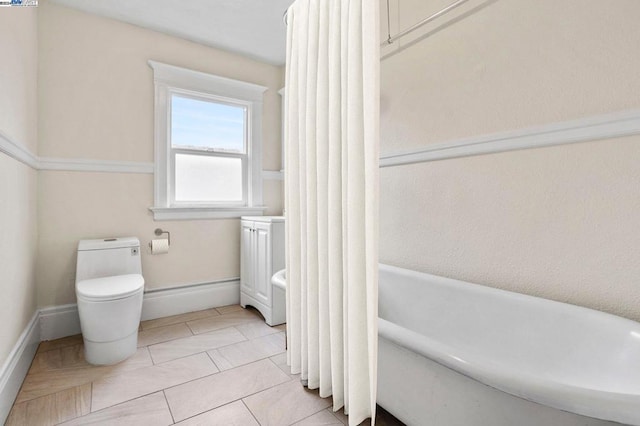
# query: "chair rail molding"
{"type": "Point", "coordinates": [85, 165]}
{"type": "Point", "coordinates": [599, 127]}
{"type": "Point", "coordinates": [18, 151]}
{"type": "Point", "coordinates": [273, 175]}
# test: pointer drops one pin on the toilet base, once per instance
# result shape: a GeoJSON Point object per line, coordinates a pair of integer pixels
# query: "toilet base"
{"type": "Point", "coordinates": [107, 353]}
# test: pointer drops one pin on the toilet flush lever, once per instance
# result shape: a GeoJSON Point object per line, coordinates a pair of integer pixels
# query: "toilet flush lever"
{"type": "Point", "coordinates": [159, 232]}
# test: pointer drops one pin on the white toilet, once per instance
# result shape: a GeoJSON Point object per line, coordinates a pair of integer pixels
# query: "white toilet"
{"type": "Point", "coordinates": [109, 288]}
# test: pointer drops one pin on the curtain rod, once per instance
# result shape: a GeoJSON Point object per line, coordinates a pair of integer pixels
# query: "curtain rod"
{"type": "Point", "coordinates": [390, 39]}
{"type": "Point", "coordinates": [414, 27]}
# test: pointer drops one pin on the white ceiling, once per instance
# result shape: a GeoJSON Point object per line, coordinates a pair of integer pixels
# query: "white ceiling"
{"type": "Point", "coordinates": [252, 28]}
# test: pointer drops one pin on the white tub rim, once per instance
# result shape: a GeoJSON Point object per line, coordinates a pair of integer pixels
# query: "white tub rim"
{"type": "Point", "coordinates": [596, 403]}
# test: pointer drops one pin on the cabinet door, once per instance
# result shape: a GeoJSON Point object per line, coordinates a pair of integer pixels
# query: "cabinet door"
{"type": "Point", "coordinates": [262, 277]}
{"type": "Point", "coordinates": [247, 259]}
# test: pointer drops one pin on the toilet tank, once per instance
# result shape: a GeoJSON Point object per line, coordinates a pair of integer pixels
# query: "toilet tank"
{"type": "Point", "coordinates": [108, 257]}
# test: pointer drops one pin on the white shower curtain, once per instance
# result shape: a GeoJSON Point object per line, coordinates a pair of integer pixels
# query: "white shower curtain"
{"type": "Point", "coordinates": [331, 193]}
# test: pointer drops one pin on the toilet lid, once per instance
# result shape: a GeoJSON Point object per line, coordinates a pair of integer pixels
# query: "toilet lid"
{"type": "Point", "coordinates": [109, 288]}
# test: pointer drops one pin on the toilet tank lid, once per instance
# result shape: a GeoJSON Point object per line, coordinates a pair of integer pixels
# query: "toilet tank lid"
{"type": "Point", "coordinates": [108, 288]}
{"type": "Point", "coordinates": [108, 243]}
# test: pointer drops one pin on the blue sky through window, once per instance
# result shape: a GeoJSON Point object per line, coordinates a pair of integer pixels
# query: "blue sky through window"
{"type": "Point", "coordinates": [206, 124]}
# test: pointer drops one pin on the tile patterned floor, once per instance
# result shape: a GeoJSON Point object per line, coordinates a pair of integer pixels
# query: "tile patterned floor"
{"type": "Point", "coordinates": [220, 366]}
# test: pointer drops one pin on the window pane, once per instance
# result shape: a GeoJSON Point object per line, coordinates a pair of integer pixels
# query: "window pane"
{"type": "Point", "coordinates": [206, 124]}
{"type": "Point", "coordinates": [206, 178]}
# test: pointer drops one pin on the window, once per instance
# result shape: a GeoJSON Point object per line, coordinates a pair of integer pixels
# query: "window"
{"type": "Point", "coordinates": [207, 143]}
{"type": "Point", "coordinates": [208, 151]}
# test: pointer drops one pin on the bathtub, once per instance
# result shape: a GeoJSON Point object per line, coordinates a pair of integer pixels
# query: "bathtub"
{"type": "Point", "coordinates": [456, 353]}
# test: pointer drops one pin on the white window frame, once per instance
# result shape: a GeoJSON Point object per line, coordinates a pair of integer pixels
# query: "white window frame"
{"type": "Point", "coordinates": [170, 80]}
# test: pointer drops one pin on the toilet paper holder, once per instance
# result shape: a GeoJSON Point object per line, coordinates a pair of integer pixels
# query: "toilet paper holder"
{"type": "Point", "coordinates": [159, 232]}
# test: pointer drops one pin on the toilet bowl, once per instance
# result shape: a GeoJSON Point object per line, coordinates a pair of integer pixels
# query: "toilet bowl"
{"type": "Point", "coordinates": [109, 291]}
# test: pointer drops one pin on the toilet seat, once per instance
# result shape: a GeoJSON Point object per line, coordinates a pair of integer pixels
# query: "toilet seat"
{"type": "Point", "coordinates": [109, 288]}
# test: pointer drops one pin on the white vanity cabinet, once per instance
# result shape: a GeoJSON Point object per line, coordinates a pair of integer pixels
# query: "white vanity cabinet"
{"type": "Point", "coordinates": [261, 256]}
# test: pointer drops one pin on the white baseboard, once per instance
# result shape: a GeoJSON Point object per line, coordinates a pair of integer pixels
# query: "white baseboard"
{"type": "Point", "coordinates": [62, 321]}
{"type": "Point", "coordinates": [173, 301]}
{"type": "Point", "coordinates": [16, 366]}
{"type": "Point", "coordinates": [59, 321]}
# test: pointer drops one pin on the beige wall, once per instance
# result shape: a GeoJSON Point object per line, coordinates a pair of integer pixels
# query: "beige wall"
{"type": "Point", "coordinates": [18, 182]}
{"type": "Point", "coordinates": [96, 102]}
{"type": "Point", "coordinates": [18, 76]}
{"type": "Point", "coordinates": [558, 222]}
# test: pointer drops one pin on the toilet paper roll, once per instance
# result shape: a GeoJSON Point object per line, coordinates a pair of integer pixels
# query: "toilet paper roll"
{"type": "Point", "coordinates": [159, 246]}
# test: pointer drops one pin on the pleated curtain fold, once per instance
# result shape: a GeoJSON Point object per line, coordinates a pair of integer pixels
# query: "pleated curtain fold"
{"type": "Point", "coordinates": [331, 199]}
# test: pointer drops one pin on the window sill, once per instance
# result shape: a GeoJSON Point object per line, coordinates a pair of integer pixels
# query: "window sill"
{"type": "Point", "coordinates": [190, 213]}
